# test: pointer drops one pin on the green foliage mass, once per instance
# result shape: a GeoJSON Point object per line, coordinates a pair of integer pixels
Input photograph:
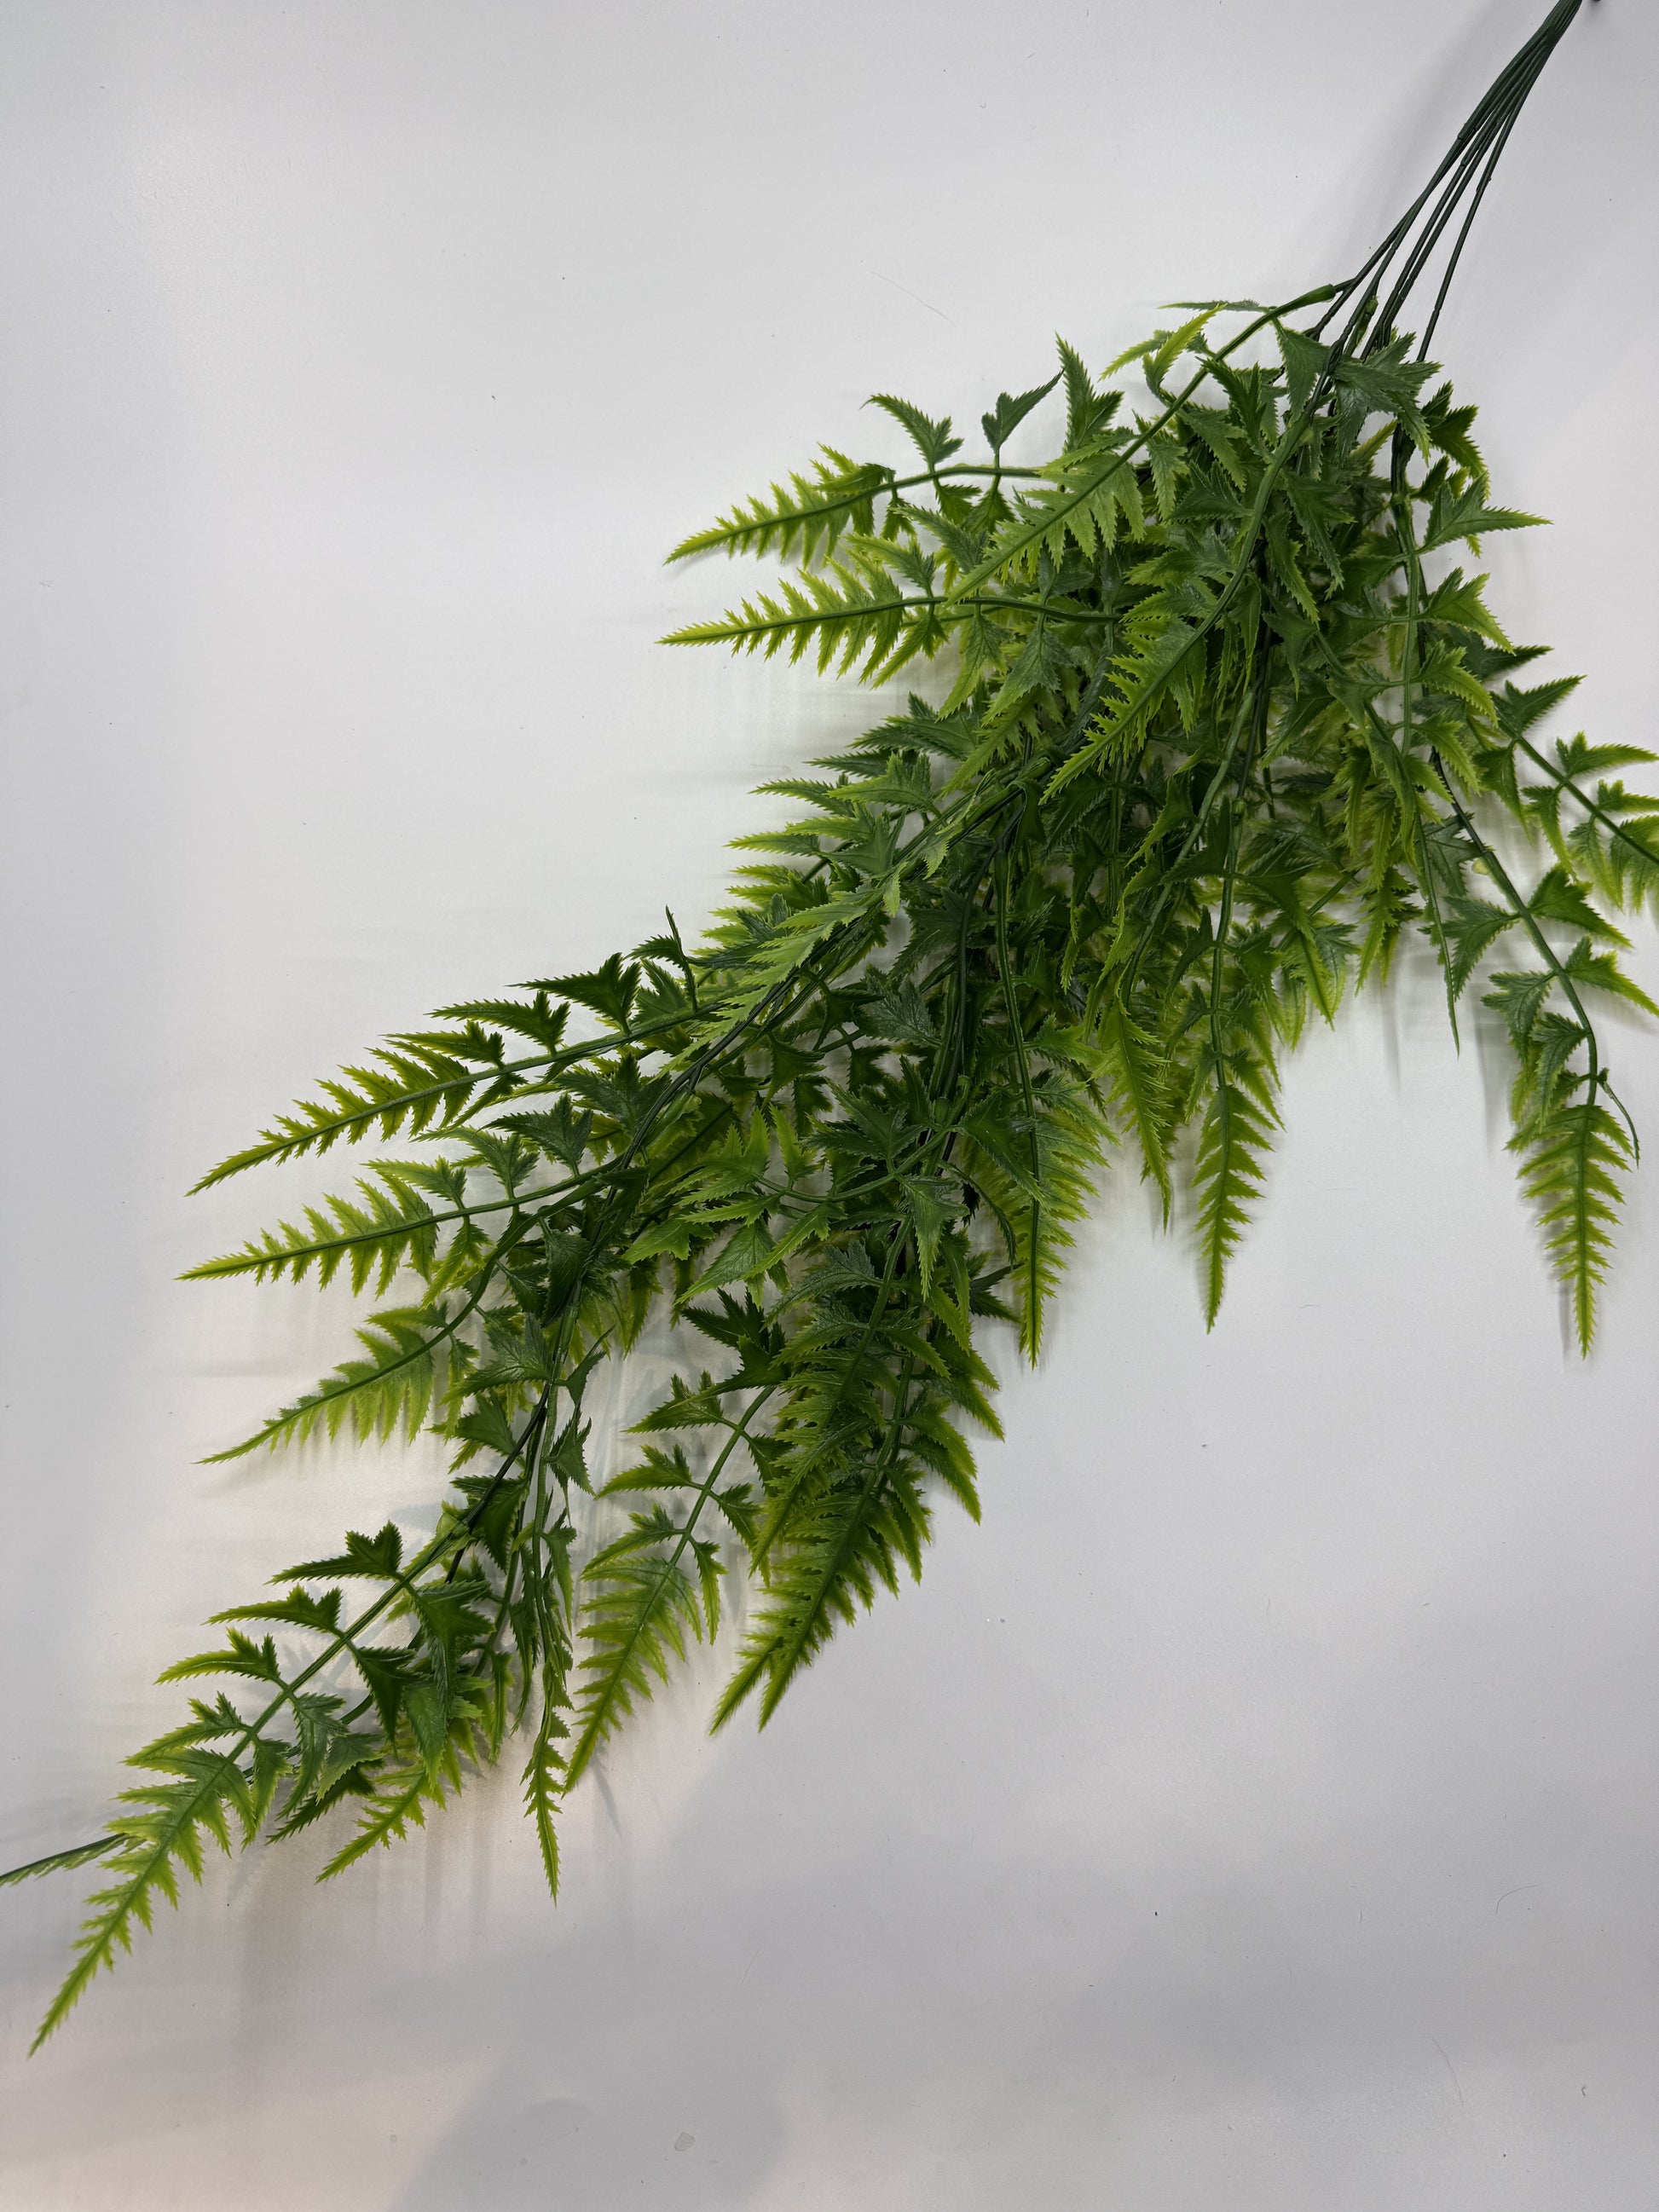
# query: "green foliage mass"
{"type": "Point", "coordinates": [1230, 717]}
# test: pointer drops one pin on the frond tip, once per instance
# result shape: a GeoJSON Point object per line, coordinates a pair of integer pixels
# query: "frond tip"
{"type": "Point", "coordinates": [802, 522]}
{"type": "Point", "coordinates": [394, 1386]}
{"type": "Point", "coordinates": [1572, 1166]}
{"type": "Point", "coordinates": [165, 1831]}
{"type": "Point", "coordinates": [1228, 1176]}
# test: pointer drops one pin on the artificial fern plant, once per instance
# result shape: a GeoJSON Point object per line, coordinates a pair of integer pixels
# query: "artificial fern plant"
{"type": "Point", "coordinates": [1230, 714]}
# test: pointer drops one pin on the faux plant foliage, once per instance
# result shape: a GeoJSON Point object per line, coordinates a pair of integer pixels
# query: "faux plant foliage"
{"type": "Point", "coordinates": [1231, 714]}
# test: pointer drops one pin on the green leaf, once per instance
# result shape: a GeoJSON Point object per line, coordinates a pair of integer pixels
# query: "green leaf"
{"type": "Point", "coordinates": [1462, 603]}
{"type": "Point", "coordinates": [1467, 516]}
{"type": "Point", "coordinates": [1088, 412]}
{"type": "Point", "coordinates": [640, 1605]}
{"type": "Point", "coordinates": [932, 440]}
{"type": "Point", "coordinates": [1007, 415]}
{"type": "Point", "coordinates": [670, 1235]}
{"type": "Point", "coordinates": [60, 1862]}
{"type": "Point", "coordinates": [1471, 926]}
{"type": "Point", "coordinates": [543, 1779]}
{"type": "Point", "coordinates": [1600, 971]}
{"type": "Point", "coordinates": [541, 1021]}
{"type": "Point", "coordinates": [379, 1556]}
{"type": "Point", "coordinates": [1520, 998]}
{"type": "Point", "coordinates": [1559, 899]}
{"type": "Point", "coordinates": [1304, 359]}
{"type": "Point", "coordinates": [415, 1085]}
{"type": "Point", "coordinates": [607, 990]}
{"type": "Point", "coordinates": [749, 1253]}
{"type": "Point", "coordinates": [391, 1227]}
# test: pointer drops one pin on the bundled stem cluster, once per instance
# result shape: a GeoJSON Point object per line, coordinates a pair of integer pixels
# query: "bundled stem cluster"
{"type": "Point", "coordinates": [1229, 717]}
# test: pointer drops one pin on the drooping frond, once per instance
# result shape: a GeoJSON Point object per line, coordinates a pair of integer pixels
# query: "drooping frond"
{"type": "Point", "coordinates": [1234, 1140]}
{"type": "Point", "coordinates": [645, 1591]}
{"type": "Point", "coordinates": [842, 1547]}
{"type": "Point", "coordinates": [1037, 1165]}
{"type": "Point", "coordinates": [202, 1796]}
{"type": "Point", "coordinates": [1573, 1161]}
{"type": "Point", "coordinates": [1136, 1068]}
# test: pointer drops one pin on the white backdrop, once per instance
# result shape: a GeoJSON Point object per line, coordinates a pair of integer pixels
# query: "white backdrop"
{"type": "Point", "coordinates": [1258, 1814]}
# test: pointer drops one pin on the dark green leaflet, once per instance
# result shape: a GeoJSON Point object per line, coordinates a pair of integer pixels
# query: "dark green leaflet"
{"type": "Point", "coordinates": [1223, 720]}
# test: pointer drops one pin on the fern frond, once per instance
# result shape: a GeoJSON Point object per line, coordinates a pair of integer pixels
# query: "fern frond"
{"type": "Point", "coordinates": [641, 1604]}
{"type": "Point", "coordinates": [1137, 1070]}
{"type": "Point", "coordinates": [166, 1830]}
{"type": "Point", "coordinates": [851, 617]}
{"type": "Point", "coordinates": [394, 1387]}
{"type": "Point", "coordinates": [644, 1597]}
{"type": "Point", "coordinates": [851, 1541]}
{"type": "Point", "coordinates": [807, 518]}
{"type": "Point", "coordinates": [391, 1227]}
{"type": "Point", "coordinates": [1572, 1165]}
{"type": "Point", "coordinates": [414, 1085]}
{"type": "Point", "coordinates": [1041, 1178]}
{"type": "Point", "coordinates": [1234, 1140]}
{"type": "Point", "coordinates": [543, 1782]}
{"type": "Point", "coordinates": [541, 1021]}
{"type": "Point", "coordinates": [398, 1803]}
